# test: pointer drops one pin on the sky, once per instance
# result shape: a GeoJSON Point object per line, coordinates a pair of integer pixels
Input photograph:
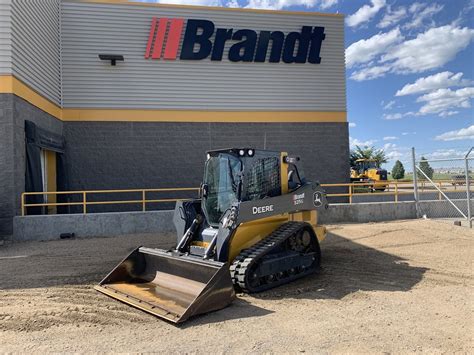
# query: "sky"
{"type": "Point", "coordinates": [409, 69]}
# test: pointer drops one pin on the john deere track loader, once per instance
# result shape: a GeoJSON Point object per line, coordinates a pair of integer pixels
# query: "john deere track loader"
{"type": "Point", "coordinates": [254, 228]}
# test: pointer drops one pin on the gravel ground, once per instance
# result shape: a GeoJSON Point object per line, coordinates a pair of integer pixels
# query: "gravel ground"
{"type": "Point", "coordinates": [400, 287]}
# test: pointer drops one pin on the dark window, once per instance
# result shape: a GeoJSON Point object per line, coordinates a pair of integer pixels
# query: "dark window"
{"type": "Point", "coordinates": [263, 179]}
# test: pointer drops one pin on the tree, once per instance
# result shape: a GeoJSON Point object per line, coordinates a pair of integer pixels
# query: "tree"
{"type": "Point", "coordinates": [398, 171]}
{"type": "Point", "coordinates": [368, 153]}
{"type": "Point", "coordinates": [426, 168]}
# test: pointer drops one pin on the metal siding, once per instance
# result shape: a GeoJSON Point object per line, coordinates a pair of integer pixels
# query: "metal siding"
{"type": "Point", "coordinates": [5, 37]}
{"type": "Point", "coordinates": [89, 29]}
{"type": "Point", "coordinates": [36, 46]}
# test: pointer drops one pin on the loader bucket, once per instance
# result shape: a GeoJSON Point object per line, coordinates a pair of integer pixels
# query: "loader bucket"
{"type": "Point", "coordinates": [171, 286]}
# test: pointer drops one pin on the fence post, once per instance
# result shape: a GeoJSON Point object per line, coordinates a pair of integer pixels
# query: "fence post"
{"type": "Point", "coordinates": [468, 188]}
{"type": "Point", "coordinates": [350, 194]}
{"type": "Point", "coordinates": [396, 192]}
{"type": "Point", "coordinates": [84, 203]}
{"type": "Point", "coordinates": [415, 181]}
{"type": "Point", "coordinates": [143, 201]}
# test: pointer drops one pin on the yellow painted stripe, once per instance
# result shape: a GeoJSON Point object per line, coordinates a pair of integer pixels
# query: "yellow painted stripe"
{"type": "Point", "coordinates": [201, 116]}
{"type": "Point", "coordinates": [194, 7]}
{"type": "Point", "coordinates": [6, 84]}
{"type": "Point", "coordinates": [11, 85]}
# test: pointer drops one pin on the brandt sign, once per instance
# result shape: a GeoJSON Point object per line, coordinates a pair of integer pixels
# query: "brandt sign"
{"type": "Point", "coordinates": [202, 39]}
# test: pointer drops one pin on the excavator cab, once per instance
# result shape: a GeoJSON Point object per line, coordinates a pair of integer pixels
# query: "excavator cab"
{"type": "Point", "coordinates": [248, 197]}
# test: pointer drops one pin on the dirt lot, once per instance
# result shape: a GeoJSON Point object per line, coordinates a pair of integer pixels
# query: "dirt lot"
{"type": "Point", "coordinates": [387, 287]}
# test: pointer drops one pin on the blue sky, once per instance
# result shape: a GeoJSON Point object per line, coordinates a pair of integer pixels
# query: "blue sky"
{"type": "Point", "coordinates": [410, 71]}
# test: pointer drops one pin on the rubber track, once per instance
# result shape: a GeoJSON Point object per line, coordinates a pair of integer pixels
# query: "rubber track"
{"type": "Point", "coordinates": [248, 257]}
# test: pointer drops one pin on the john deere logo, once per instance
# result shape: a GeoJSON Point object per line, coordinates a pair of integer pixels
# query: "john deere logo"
{"type": "Point", "coordinates": [317, 199]}
{"type": "Point", "coordinates": [295, 47]}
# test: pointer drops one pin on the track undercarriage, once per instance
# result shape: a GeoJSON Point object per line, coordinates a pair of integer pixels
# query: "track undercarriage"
{"type": "Point", "coordinates": [287, 254]}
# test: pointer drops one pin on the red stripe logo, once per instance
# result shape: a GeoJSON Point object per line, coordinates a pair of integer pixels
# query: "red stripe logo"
{"type": "Point", "coordinates": [165, 32]}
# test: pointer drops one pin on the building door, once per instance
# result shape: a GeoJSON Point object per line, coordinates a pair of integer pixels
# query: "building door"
{"type": "Point", "coordinates": [48, 173]}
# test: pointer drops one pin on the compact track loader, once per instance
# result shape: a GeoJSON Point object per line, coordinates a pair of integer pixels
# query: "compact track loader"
{"type": "Point", "coordinates": [254, 228]}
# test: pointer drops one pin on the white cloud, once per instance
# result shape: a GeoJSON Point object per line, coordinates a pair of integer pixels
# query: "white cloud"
{"type": "Point", "coordinates": [232, 3]}
{"type": "Point", "coordinates": [367, 49]}
{"type": "Point", "coordinates": [419, 17]}
{"type": "Point", "coordinates": [445, 153]}
{"type": "Point", "coordinates": [356, 142]}
{"type": "Point", "coordinates": [392, 17]}
{"type": "Point", "coordinates": [325, 4]}
{"type": "Point", "coordinates": [352, 125]}
{"type": "Point", "coordinates": [389, 105]}
{"type": "Point", "coordinates": [448, 113]}
{"type": "Point", "coordinates": [463, 133]}
{"type": "Point", "coordinates": [388, 146]}
{"type": "Point", "coordinates": [442, 101]}
{"type": "Point", "coordinates": [416, 6]}
{"type": "Point", "coordinates": [429, 50]}
{"type": "Point", "coordinates": [280, 4]}
{"type": "Point", "coordinates": [191, 2]}
{"type": "Point", "coordinates": [390, 138]}
{"type": "Point", "coordinates": [394, 152]}
{"type": "Point", "coordinates": [441, 80]}
{"type": "Point", "coordinates": [255, 4]}
{"type": "Point", "coordinates": [398, 115]}
{"type": "Point", "coordinates": [392, 116]}
{"type": "Point", "coordinates": [407, 133]}
{"type": "Point", "coordinates": [365, 13]}
{"type": "Point", "coordinates": [370, 73]}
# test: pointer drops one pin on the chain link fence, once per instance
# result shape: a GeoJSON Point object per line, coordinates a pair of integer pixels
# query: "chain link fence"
{"type": "Point", "coordinates": [450, 182]}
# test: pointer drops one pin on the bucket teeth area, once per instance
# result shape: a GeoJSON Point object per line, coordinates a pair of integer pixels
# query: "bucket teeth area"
{"type": "Point", "coordinates": [173, 287]}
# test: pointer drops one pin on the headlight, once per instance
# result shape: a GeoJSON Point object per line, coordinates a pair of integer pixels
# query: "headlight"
{"type": "Point", "coordinates": [241, 152]}
{"type": "Point", "coordinates": [250, 152]}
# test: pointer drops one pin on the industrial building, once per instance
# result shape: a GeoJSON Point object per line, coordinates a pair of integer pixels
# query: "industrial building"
{"type": "Point", "coordinates": [113, 94]}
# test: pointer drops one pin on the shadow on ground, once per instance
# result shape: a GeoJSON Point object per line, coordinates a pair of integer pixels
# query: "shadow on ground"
{"type": "Point", "coordinates": [348, 267]}
{"type": "Point", "coordinates": [239, 309]}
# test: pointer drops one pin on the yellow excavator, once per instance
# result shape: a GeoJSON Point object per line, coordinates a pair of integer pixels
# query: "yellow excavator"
{"type": "Point", "coordinates": [366, 170]}
{"type": "Point", "coordinates": [254, 228]}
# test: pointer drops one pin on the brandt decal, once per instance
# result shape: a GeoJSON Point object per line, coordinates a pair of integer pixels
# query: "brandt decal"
{"type": "Point", "coordinates": [298, 199]}
{"type": "Point", "coordinates": [201, 39]}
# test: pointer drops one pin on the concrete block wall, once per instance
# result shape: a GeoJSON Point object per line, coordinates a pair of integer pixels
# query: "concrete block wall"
{"type": "Point", "coordinates": [7, 188]}
{"type": "Point", "coordinates": [125, 155]}
{"type": "Point", "coordinates": [120, 223]}
{"type": "Point", "coordinates": [13, 113]}
{"type": "Point", "coordinates": [92, 225]}
{"type": "Point", "coordinates": [367, 212]}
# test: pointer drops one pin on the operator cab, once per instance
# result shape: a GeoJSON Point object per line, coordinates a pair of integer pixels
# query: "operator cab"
{"type": "Point", "coordinates": [236, 175]}
{"type": "Point", "coordinates": [363, 165]}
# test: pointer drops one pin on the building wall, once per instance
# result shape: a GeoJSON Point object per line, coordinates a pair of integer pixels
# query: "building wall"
{"type": "Point", "coordinates": [13, 113]}
{"type": "Point", "coordinates": [90, 28]}
{"type": "Point", "coordinates": [130, 155]}
{"type": "Point", "coordinates": [53, 48]}
{"type": "Point", "coordinates": [5, 37]}
{"type": "Point", "coordinates": [35, 46]}
{"type": "Point", "coordinates": [7, 190]}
